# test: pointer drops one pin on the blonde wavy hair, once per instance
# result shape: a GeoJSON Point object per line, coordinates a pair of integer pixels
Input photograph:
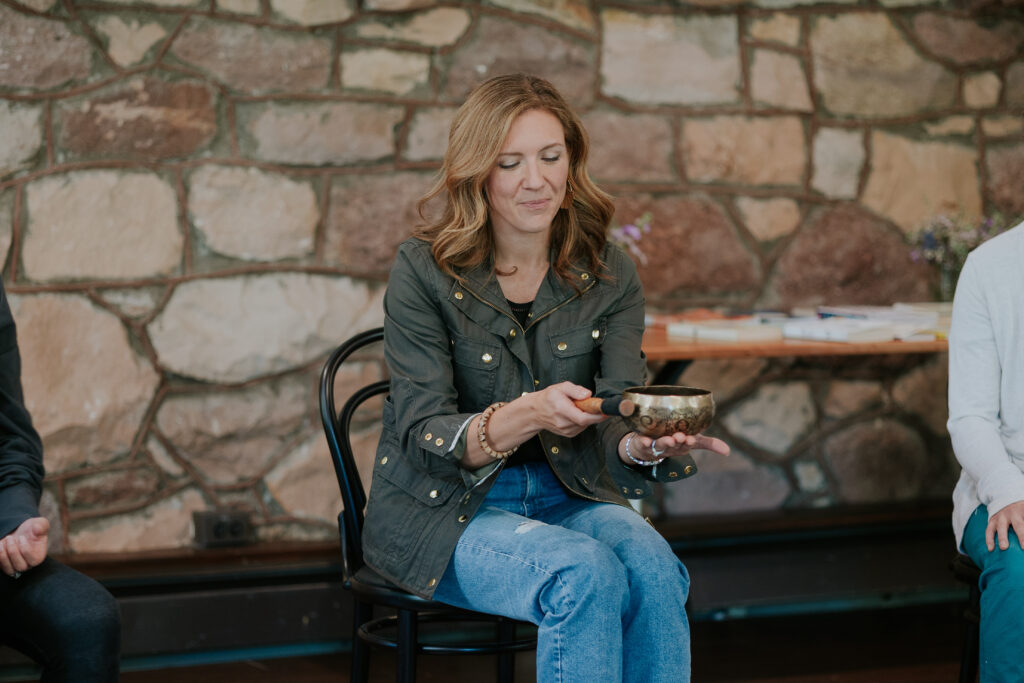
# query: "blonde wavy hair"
{"type": "Point", "coordinates": [461, 236]}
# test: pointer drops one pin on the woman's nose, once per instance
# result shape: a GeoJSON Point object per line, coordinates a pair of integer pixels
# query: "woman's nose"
{"type": "Point", "coordinates": [533, 177]}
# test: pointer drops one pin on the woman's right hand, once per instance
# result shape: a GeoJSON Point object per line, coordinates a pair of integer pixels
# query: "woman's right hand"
{"type": "Point", "coordinates": [555, 411]}
{"type": "Point", "coordinates": [550, 409]}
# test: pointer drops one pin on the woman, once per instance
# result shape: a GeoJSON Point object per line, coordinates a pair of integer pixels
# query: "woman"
{"type": "Point", "coordinates": [986, 425]}
{"type": "Point", "coordinates": [491, 489]}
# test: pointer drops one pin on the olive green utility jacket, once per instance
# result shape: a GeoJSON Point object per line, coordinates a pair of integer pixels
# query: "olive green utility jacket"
{"type": "Point", "coordinates": [453, 349]}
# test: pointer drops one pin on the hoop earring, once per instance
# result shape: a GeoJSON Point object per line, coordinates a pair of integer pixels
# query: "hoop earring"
{"type": "Point", "coordinates": [569, 195]}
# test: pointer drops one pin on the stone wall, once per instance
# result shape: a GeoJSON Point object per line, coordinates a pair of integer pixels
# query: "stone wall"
{"type": "Point", "coordinates": [199, 198]}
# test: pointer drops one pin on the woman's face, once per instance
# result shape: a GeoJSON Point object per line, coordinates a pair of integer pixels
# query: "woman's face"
{"type": "Point", "coordinates": [526, 187]}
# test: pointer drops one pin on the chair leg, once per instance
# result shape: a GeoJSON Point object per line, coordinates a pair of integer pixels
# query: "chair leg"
{"type": "Point", "coordinates": [360, 670]}
{"type": "Point", "coordinates": [969, 659]}
{"type": "Point", "coordinates": [408, 646]}
{"type": "Point", "coordinates": [506, 659]}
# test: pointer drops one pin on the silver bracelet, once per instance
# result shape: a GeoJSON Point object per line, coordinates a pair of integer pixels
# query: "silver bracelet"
{"type": "Point", "coordinates": [643, 463]}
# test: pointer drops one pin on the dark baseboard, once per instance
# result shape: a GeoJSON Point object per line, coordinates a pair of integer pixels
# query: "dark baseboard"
{"type": "Point", "coordinates": [212, 603]}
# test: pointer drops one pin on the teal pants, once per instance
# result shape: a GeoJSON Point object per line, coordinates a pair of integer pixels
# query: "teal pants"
{"type": "Point", "coordinates": [1002, 602]}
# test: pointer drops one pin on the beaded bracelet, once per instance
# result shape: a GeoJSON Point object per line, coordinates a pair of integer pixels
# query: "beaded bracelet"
{"type": "Point", "coordinates": [644, 463]}
{"type": "Point", "coordinates": [481, 433]}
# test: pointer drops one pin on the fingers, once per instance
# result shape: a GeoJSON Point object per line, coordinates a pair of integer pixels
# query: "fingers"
{"type": "Point", "coordinates": [5, 560]}
{"type": "Point", "coordinates": [990, 530]}
{"type": "Point", "coordinates": [709, 443]}
{"type": "Point", "coordinates": [11, 559]}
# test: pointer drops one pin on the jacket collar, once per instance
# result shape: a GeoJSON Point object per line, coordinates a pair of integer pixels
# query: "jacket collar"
{"type": "Point", "coordinates": [553, 291]}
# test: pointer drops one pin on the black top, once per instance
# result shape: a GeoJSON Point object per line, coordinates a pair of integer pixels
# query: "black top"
{"type": "Point", "coordinates": [21, 451]}
{"type": "Point", "coordinates": [529, 451]}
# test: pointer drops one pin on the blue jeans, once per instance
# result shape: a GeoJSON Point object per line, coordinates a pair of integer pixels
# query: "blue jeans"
{"type": "Point", "coordinates": [1002, 602]}
{"type": "Point", "coordinates": [68, 623]}
{"type": "Point", "coordinates": [604, 588]}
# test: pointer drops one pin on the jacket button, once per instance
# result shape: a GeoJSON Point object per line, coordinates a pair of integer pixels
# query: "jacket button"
{"type": "Point", "coordinates": [584, 276]}
{"type": "Point", "coordinates": [595, 333]}
{"type": "Point", "coordinates": [554, 450]}
{"type": "Point", "coordinates": [463, 518]}
{"type": "Point", "coordinates": [458, 295]}
{"type": "Point", "coordinates": [428, 436]}
{"type": "Point", "coordinates": [625, 490]}
{"type": "Point", "coordinates": [432, 583]}
{"type": "Point", "coordinates": [536, 382]}
{"type": "Point", "coordinates": [639, 492]}
{"type": "Point", "coordinates": [673, 474]}
{"type": "Point", "coordinates": [439, 441]}
{"type": "Point", "coordinates": [487, 358]}
{"type": "Point", "coordinates": [688, 469]}
{"type": "Point", "coordinates": [384, 460]}
{"type": "Point", "coordinates": [512, 332]}
{"type": "Point", "coordinates": [524, 393]}
{"type": "Point", "coordinates": [562, 346]}
{"type": "Point", "coordinates": [433, 494]}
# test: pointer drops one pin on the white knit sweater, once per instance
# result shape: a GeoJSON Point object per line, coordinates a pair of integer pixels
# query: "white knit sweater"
{"type": "Point", "coordinates": [986, 378]}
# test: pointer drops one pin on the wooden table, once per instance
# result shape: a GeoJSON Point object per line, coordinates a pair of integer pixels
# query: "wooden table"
{"type": "Point", "coordinates": [679, 352]}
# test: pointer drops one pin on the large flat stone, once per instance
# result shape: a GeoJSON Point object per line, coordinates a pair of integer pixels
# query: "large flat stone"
{"type": "Point", "coordinates": [313, 12]}
{"type": "Point", "coordinates": [279, 214]}
{"type": "Point", "coordinates": [630, 147]}
{"type": "Point", "coordinates": [966, 41]}
{"type": "Point", "coordinates": [844, 255]}
{"type": "Point", "coordinates": [369, 216]}
{"type": "Point", "coordinates": [838, 159]}
{"type": "Point", "coordinates": [774, 417]}
{"type": "Point", "coordinates": [86, 388]}
{"type": "Point", "coordinates": [863, 66]}
{"type": "Point", "coordinates": [912, 181]}
{"type": "Point", "coordinates": [101, 224]}
{"type": "Point", "coordinates": [234, 329]}
{"type": "Point", "coordinates": [878, 461]}
{"type": "Point", "coordinates": [658, 59]}
{"type": "Point", "coordinates": [144, 118]}
{"type": "Point", "coordinates": [737, 149]}
{"type": "Point", "coordinates": [40, 54]}
{"type": "Point", "coordinates": [256, 60]}
{"type": "Point", "coordinates": [497, 47]}
{"type": "Point", "coordinates": [778, 80]}
{"type": "Point", "coordinates": [435, 27]}
{"type": "Point", "coordinates": [165, 523]}
{"type": "Point", "coordinates": [384, 70]}
{"type": "Point", "coordinates": [234, 436]}
{"type": "Point", "coordinates": [727, 485]}
{"type": "Point", "coordinates": [22, 126]}
{"type": "Point", "coordinates": [318, 133]}
{"type": "Point", "coordinates": [692, 248]}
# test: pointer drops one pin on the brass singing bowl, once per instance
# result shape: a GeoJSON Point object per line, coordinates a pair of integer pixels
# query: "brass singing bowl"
{"type": "Point", "coordinates": [663, 409]}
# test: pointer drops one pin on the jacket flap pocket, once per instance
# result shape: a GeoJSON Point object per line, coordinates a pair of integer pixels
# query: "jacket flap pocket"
{"type": "Point", "coordinates": [474, 353]}
{"type": "Point", "coordinates": [427, 490]}
{"type": "Point", "coordinates": [575, 341]}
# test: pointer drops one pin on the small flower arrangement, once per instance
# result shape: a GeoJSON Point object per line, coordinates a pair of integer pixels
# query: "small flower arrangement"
{"type": "Point", "coordinates": [946, 240]}
{"type": "Point", "coordinates": [628, 236]}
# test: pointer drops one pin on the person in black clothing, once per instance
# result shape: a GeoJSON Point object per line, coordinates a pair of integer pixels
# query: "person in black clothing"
{"type": "Point", "coordinates": [65, 621]}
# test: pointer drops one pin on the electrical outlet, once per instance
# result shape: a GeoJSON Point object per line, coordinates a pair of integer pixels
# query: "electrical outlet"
{"type": "Point", "coordinates": [221, 528]}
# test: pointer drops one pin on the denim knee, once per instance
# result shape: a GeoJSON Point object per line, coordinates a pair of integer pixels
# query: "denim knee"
{"type": "Point", "coordinates": [589, 572]}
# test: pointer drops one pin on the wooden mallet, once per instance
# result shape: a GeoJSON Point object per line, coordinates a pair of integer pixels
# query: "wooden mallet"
{"type": "Point", "coordinates": [616, 407]}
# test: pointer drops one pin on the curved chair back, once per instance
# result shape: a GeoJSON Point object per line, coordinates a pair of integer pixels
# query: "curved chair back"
{"type": "Point", "coordinates": [337, 427]}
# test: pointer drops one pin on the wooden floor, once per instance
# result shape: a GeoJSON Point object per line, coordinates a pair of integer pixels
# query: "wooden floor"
{"type": "Point", "coordinates": [900, 645]}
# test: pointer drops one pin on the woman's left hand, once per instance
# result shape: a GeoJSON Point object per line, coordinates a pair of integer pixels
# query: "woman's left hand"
{"type": "Point", "coordinates": [681, 444]}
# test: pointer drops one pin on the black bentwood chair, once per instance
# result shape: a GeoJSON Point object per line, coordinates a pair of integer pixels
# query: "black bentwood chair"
{"type": "Point", "coordinates": [967, 572]}
{"type": "Point", "coordinates": [399, 632]}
